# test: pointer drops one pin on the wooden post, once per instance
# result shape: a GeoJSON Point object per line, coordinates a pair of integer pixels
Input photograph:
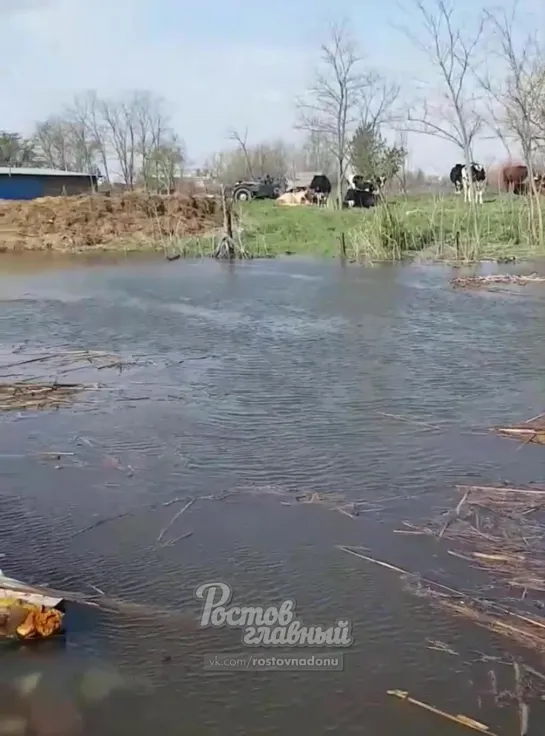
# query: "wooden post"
{"type": "Point", "coordinates": [226, 246]}
{"type": "Point", "coordinates": [343, 245]}
{"type": "Point", "coordinates": [227, 214]}
{"type": "Point", "coordinates": [457, 242]}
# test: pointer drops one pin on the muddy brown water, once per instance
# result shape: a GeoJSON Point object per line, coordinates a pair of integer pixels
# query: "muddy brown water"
{"type": "Point", "coordinates": [269, 375]}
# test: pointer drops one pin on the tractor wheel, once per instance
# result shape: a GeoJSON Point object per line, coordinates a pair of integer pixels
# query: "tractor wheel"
{"type": "Point", "coordinates": [243, 195]}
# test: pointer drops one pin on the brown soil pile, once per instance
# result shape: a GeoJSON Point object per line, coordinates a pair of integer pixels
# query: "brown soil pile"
{"type": "Point", "coordinates": [135, 219]}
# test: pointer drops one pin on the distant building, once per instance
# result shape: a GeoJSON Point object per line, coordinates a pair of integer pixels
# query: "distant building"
{"type": "Point", "coordinates": [23, 183]}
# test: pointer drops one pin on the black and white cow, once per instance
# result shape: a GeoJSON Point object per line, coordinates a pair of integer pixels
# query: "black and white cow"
{"type": "Point", "coordinates": [362, 193]}
{"type": "Point", "coordinates": [374, 185]}
{"type": "Point", "coordinates": [320, 189]}
{"type": "Point", "coordinates": [478, 181]}
{"type": "Point", "coordinates": [460, 177]}
{"type": "Point", "coordinates": [359, 198]}
{"type": "Point", "coordinates": [380, 183]}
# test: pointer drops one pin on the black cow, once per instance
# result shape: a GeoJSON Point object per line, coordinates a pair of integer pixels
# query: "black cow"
{"type": "Point", "coordinates": [456, 177]}
{"type": "Point", "coordinates": [320, 188]}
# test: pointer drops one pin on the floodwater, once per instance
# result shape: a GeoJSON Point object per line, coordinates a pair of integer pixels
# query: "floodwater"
{"type": "Point", "coordinates": [291, 375]}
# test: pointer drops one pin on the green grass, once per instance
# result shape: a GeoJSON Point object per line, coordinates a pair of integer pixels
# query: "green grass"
{"type": "Point", "coordinates": [405, 226]}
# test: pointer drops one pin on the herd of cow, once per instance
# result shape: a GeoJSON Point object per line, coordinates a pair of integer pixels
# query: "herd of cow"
{"type": "Point", "coordinates": [365, 192]}
{"type": "Point", "coordinates": [361, 193]}
{"type": "Point", "coordinates": [513, 177]}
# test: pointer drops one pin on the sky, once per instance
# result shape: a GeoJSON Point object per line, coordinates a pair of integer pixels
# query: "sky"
{"type": "Point", "coordinates": [221, 64]}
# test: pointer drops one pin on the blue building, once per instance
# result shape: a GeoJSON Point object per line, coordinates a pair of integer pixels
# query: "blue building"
{"type": "Point", "coordinates": [22, 183]}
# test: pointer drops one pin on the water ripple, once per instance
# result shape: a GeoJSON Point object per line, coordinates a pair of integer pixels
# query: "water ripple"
{"type": "Point", "coordinates": [370, 384]}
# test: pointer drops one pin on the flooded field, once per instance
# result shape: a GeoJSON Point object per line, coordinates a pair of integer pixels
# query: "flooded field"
{"type": "Point", "coordinates": [277, 378]}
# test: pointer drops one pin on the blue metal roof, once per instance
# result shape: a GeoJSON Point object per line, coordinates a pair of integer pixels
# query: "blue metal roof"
{"type": "Point", "coordinates": [21, 171]}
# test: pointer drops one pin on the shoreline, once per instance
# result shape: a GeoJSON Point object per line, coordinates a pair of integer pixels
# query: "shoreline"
{"type": "Point", "coordinates": [49, 259]}
{"type": "Point", "coordinates": [425, 229]}
{"type": "Point", "coordinates": [506, 255]}
{"type": "Point", "coordinates": [205, 246]}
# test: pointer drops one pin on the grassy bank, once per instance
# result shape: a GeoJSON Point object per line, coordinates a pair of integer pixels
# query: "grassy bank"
{"type": "Point", "coordinates": [430, 226]}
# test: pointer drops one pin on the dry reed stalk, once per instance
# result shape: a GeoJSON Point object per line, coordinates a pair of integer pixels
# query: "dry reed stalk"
{"type": "Point", "coordinates": [525, 434]}
{"type": "Point", "coordinates": [20, 396]}
{"type": "Point", "coordinates": [174, 518]}
{"type": "Point", "coordinates": [478, 281]}
{"type": "Point", "coordinates": [492, 490]}
{"type": "Point", "coordinates": [459, 718]}
{"type": "Point", "coordinates": [522, 629]}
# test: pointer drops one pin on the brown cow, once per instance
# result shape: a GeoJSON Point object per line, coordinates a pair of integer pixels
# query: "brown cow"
{"type": "Point", "coordinates": [513, 177]}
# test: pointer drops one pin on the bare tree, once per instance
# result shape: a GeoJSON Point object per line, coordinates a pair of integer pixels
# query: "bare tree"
{"type": "Point", "coordinates": [315, 154]}
{"type": "Point", "coordinates": [215, 165]}
{"type": "Point", "coordinates": [51, 137]}
{"type": "Point", "coordinates": [271, 157]}
{"type": "Point", "coordinates": [268, 157]}
{"type": "Point", "coordinates": [121, 123]}
{"type": "Point", "coordinates": [133, 131]}
{"type": "Point", "coordinates": [539, 113]}
{"type": "Point", "coordinates": [66, 144]}
{"type": "Point", "coordinates": [85, 150]}
{"type": "Point", "coordinates": [153, 133]}
{"type": "Point", "coordinates": [93, 133]}
{"type": "Point", "coordinates": [517, 93]}
{"type": "Point", "coordinates": [333, 104]}
{"type": "Point", "coordinates": [164, 164]}
{"type": "Point", "coordinates": [85, 114]}
{"type": "Point", "coordinates": [16, 150]}
{"type": "Point", "coordinates": [378, 100]}
{"type": "Point", "coordinates": [242, 141]}
{"type": "Point", "coordinates": [130, 129]}
{"type": "Point", "coordinates": [456, 117]}
{"type": "Point", "coordinates": [402, 174]}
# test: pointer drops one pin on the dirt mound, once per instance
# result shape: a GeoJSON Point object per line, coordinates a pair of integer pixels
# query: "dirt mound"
{"type": "Point", "coordinates": [133, 219]}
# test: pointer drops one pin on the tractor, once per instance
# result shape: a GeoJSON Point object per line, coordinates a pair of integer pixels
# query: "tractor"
{"type": "Point", "coordinates": [263, 187]}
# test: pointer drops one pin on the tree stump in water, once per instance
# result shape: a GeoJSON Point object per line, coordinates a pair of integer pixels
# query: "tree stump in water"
{"type": "Point", "coordinates": [227, 247]}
